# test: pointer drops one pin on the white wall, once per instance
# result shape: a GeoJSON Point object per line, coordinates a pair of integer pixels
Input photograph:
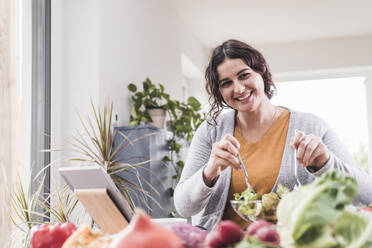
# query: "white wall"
{"type": "Point", "coordinates": [74, 68]}
{"type": "Point", "coordinates": [99, 47]}
{"type": "Point", "coordinates": [140, 39]}
{"type": "Point", "coordinates": [315, 55]}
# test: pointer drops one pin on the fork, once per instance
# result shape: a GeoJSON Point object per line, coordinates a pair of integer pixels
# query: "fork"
{"type": "Point", "coordinates": [245, 172]}
{"type": "Point", "coordinates": [298, 183]}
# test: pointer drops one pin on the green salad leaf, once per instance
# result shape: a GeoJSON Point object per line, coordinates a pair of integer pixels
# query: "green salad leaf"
{"type": "Point", "coordinates": [354, 230]}
{"type": "Point", "coordinates": [252, 242]}
{"type": "Point", "coordinates": [315, 215]}
{"type": "Point", "coordinates": [269, 201]}
{"type": "Point", "coordinates": [247, 195]}
{"type": "Point", "coordinates": [282, 190]}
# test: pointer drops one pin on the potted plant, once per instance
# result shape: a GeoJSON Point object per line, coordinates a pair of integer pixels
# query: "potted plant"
{"type": "Point", "coordinates": [95, 145]}
{"type": "Point", "coordinates": [185, 118]}
{"type": "Point", "coordinates": [149, 104]}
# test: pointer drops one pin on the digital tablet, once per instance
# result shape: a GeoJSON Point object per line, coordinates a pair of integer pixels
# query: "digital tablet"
{"type": "Point", "coordinates": [95, 177]}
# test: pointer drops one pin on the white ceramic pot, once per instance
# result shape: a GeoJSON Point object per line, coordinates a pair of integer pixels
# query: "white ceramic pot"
{"type": "Point", "coordinates": [157, 116]}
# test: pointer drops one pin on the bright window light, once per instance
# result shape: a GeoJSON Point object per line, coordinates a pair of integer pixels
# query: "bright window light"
{"type": "Point", "coordinates": [340, 102]}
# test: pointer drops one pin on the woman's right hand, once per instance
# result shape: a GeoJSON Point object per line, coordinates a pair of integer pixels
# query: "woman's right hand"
{"type": "Point", "coordinates": [224, 153]}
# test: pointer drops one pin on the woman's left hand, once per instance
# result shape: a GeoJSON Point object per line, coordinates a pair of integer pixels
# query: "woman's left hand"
{"type": "Point", "coordinates": [311, 151]}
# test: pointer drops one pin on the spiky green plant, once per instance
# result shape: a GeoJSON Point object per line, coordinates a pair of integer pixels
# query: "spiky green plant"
{"type": "Point", "coordinates": [64, 204]}
{"type": "Point", "coordinates": [23, 212]}
{"type": "Point", "coordinates": [25, 208]}
{"type": "Point", "coordinates": [95, 144]}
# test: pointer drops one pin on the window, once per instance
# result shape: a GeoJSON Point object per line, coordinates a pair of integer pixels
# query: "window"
{"type": "Point", "coordinates": [339, 101]}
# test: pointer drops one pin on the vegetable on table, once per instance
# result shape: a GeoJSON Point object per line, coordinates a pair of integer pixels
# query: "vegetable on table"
{"type": "Point", "coordinates": [264, 232]}
{"type": "Point", "coordinates": [269, 202]}
{"type": "Point", "coordinates": [51, 236]}
{"type": "Point", "coordinates": [192, 236]}
{"type": "Point", "coordinates": [255, 226]}
{"type": "Point", "coordinates": [253, 242]}
{"type": "Point", "coordinates": [223, 234]}
{"type": "Point", "coordinates": [268, 234]}
{"type": "Point", "coordinates": [143, 233]}
{"type": "Point", "coordinates": [315, 215]}
{"type": "Point", "coordinates": [366, 209]}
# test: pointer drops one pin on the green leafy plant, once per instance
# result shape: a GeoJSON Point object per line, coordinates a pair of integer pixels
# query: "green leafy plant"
{"type": "Point", "coordinates": [152, 96]}
{"type": "Point", "coordinates": [185, 118]}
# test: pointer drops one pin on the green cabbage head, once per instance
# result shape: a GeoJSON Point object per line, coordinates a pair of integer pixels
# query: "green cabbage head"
{"type": "Point", "coordinates": [315, 215]}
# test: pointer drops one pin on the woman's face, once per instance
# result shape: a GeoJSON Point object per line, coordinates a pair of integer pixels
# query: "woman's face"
{"type": "Point", "coordinates": [241, 87]}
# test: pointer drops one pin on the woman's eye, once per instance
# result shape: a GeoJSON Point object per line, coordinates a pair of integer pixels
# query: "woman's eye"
{"type": "Point", "coordinates": [225, 84]}
{"type": "Point", "coordinates": [243, 76]}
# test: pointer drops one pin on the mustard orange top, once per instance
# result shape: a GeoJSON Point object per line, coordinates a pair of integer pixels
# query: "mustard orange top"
{"type": "Point", "coordinates": [262, 161]}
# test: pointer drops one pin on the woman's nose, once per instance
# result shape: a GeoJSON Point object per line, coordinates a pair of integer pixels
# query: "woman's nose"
{"type": "Point", "coordinates": [238, 87]}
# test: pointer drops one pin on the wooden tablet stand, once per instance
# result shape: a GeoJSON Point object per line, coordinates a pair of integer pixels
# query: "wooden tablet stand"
{"type": "Point", "coordinates": [102, 209]}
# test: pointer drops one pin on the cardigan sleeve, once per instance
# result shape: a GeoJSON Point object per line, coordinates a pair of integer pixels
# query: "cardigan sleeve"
{"type": "Point", "coordinates": [191, 194]}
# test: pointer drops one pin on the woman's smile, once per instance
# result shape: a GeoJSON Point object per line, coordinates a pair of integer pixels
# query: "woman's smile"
{"type": "Point", "coordinates": [241, 87]}
{"type": "Point", "coordinates": [245, 97]}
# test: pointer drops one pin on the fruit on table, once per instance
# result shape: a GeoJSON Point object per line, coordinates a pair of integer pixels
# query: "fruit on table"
{"type": "Point", "coordinates": [51, 236]}
{"type": "Point", "coordinates": [213, 240]}
{"type": "Point", "coordinates": [267, 234]}
{"type": "Point", "coordinates": [84, 236]}
{"type": "Point", "coordinates": [143, 233]}
{"type": "Point", "coordinates": [192, 236]}
{"type": "Point", "coordinates": [264, 231]}
{"type": "Point", "coordinates": [255, 226]}
{"type": "Point", "coordinates": [225, 233]}
{"type": "Point", "coordinates": [366, 209]}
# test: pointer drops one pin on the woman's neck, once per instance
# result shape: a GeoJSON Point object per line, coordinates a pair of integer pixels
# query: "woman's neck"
{"type": "Point", "coordinates": [263, 116]}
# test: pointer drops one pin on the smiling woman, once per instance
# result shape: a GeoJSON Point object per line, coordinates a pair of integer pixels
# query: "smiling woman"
{"type": "Point", "coordinates": [271, 141]}
{"type": "Point", "coordinates": [245, 60]}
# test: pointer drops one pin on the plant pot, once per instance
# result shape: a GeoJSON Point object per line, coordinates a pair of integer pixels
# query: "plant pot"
{"type": "Point", "coordinates": [157, 116]}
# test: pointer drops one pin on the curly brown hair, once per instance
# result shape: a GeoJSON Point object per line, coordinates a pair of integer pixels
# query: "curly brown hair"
{"type": "Point", "coordinates": [234, 49]}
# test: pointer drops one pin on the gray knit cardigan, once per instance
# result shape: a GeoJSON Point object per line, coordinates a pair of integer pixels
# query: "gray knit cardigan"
{"type": "Point", "coordinates": [193, 196]}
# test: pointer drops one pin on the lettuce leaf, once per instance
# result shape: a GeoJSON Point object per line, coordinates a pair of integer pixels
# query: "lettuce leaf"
{"type": "Point", "coordinates": [252, 242]}
{"type": "Point", "coordinates": [354, 230]}
{"type": "Point", "coordinates": [314, 215]}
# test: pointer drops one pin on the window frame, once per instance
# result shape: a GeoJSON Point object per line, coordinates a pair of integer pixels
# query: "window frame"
{"type": "Point", "coordinates": [41, 93]}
